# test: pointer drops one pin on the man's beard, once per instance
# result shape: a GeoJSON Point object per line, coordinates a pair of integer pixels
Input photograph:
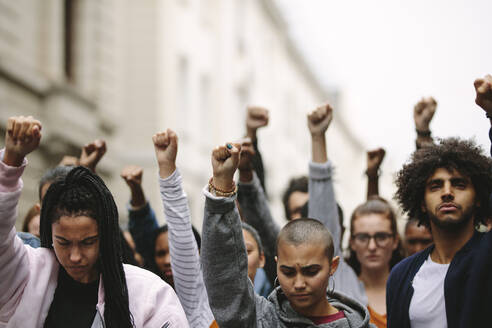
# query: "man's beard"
{"type": "Point", "coordinates": [453, 225]}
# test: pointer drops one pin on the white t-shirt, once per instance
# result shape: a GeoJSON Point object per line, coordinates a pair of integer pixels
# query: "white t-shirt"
{"type": "Point", "coordinates": [427, 307]}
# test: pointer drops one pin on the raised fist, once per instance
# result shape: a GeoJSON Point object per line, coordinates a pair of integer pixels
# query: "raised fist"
{"type": "Point", "coordinates": [374, 159]}
{"type": "Point", "coordinates": [225, 160]}
{"type": "Point", "coordinates": [246, 154]}
{"type": "Point", "coordinates": [423, 112]}
{"type": "Point", "coordinates": [132, 174]}
{"type": "Point", "coordinates": [166, 149]}
{"type": "Point", "coordinates": [483, 88]}
{"type": "Point", "coordinates": [92, 154]}
{"type": "Point", "coordinates": [22, 137]}
{"type": "Point", "coordinates": [319, 120]}
{"type": "Point", "coordinates": [257, 117]}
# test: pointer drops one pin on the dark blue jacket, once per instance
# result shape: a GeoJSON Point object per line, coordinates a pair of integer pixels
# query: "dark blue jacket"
{"type": "Point", "coordinates": [460, 284]}
{"type": "Point", "coordinates": [467, 285]}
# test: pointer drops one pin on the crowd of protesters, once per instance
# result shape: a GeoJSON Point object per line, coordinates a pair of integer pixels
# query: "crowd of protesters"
{"type": "Point", "coordinates": [73, 266]}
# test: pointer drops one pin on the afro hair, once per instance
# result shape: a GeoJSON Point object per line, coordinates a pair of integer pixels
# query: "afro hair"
{"type": "Point", "coordinates": [463, 156]}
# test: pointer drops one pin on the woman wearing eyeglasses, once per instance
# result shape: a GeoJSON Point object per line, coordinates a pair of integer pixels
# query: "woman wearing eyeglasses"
{"type": "Point", "coordinates": [375, 247]}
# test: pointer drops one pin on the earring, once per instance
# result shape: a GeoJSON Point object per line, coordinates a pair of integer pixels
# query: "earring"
{"type": "Point", "coordinates": [333, 289]}
{"type": "Point", "coordinates": [275, 283]}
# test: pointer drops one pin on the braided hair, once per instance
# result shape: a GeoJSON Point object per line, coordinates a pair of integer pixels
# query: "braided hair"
{"type": "Point", "coordinates": [82, 192]}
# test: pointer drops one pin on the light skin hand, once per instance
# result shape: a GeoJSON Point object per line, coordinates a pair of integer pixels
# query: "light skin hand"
{"type": "Point", "coordinates": [257, 117]}
{"type": "Point", "coordinates": [22, 137]}
{"type": "Point", "coordinates": [166, 149]}
{"type": "Point", "coordinates": [92, 154]}
{"type": "Point", "coordinates": [374, 159]}
{"type": "Point", "coordinates": [423, 112]}
{"type": "Point", "coordinates": [225, 161]}
{"type": "Point", "coordinates": [132, 174]}
{"type": "Point", "coordinates": [318, 122]}
{"type": "Point", "coordinates": [483, 88]}
{"type": "Point", "coordinates": [245, 165]}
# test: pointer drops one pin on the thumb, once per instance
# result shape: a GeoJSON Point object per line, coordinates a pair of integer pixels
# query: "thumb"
{"type": "Point", "coordinates": [173, 138]}
{"type": "Point", "coordinates": [234, 150]}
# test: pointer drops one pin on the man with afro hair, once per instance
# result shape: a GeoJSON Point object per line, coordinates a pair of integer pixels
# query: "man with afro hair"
{"type": "Point", "coordinates": [446, 186]}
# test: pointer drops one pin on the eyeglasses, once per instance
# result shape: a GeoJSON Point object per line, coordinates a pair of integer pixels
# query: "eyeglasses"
{"type": "Point", "coordinates": [381, 239]}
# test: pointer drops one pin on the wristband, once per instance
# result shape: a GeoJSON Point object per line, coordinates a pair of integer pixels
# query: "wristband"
{"type": "Point", "coordinates": [423, 133]}
{"type": "Point", "coordinates": [378, 173]}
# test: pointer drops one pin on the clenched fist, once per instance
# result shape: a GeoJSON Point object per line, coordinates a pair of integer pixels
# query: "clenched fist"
{"type": "Point", "coordinates": [257, 117]}
{"type": "Point", "coordinates": [166, 149]}
{"type": "Point", "coordinates": [132, 174]}
{"type": "Point", "coordinates": [225, 160]}
{"type": "Point", "coordinates": [319, 120]}
{"type": "Point", "coordinates": [423, 112]}
{"type": "Point", "coordinates": [22, 137]}
{"type": "Point", "coordinates": [483, 88]}
{"type": "Point", "coordinates": [374, 159]}
{"type": "Point", "coordinates": [92, 154]}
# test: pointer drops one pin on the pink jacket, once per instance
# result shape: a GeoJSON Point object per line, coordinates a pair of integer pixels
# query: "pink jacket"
{"type": "Point", "coordinates": [28, 277]}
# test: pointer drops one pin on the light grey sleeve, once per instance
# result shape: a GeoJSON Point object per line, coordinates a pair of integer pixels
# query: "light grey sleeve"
{"type": "Point", "coordinates": [323, 207]}
{"type": "Point", "coordinates": [185, 259]}
{"type": "Point", "coordinates": [225, 264]}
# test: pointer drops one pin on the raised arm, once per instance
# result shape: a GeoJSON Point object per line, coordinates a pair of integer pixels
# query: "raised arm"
{"type": "Point", "coordinates": [374, 159]}
{"type": "Point", "coordinates": [256, 118]}
{"type": "Point", "coordinates": [423, 112]}
{"type": "Point", "coordinates": [224, 260]}
{"type": "Point", "coordinates": [185, 259]}
{"type": "Point", "coordinates": [142, 221]}
{"type": "Point", "coordinates": [22, 137]}
{"type": "Point", "coordinates": [483, 88]}
{"type": "Point", "coordinates": [256, 211]}
{"type": "Point", "coordinates": [322, 204]}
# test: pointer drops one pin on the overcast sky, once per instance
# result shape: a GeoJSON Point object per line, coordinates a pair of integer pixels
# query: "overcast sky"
{"type": "Point", "coordinates": [384, 55]}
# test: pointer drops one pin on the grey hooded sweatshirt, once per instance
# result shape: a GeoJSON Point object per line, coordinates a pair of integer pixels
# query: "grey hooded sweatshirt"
{"type": "Point", "coordinates": [322, 206]}
{"type": "Point", "coordinates": [230, 292]}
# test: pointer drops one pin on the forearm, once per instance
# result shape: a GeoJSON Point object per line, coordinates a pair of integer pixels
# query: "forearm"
{"type": "Point", "coordinates": [137, 196]}
{"type": "Point", "coordinates": [14, 264]}
{"type": "Point", "coordinates": [225, 264]}
{"type": "Point", "coordinates": [322, 203]}
{"type": "Point", "coordinates": [257, 213]}
{"type": "Point", "coordinates": [142, 226]}
{"type": "Point", "coordinates": [185, 260]}
{"type": "Point", "coordinates": [318, 148]}
{"type": "Point", "coordinates": [372, 184]}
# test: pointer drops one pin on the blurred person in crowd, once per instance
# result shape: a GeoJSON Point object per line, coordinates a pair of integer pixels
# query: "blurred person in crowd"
{"type": "Point", "coordinates": [375, 244]}
{"type": "Point", "coordinates": [448, 188]}
{"type": "Point", "coordinates": [417, 237]}
{"type": "Point", "coordinates": [305, 263]}
{"type": "Point", "coordinates": [76, 278]}
{"type": "Point", "coordinates": [90, 156]}
{"type": "Point", "coordinates": [31, 220]}
{"type": "Point", "coordinates": [151, 240]}
{"type": "Point", "coordinates": [375, 247]}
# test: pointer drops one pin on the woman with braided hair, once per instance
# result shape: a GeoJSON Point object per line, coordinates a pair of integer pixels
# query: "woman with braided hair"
{"type": "Point", "coordinates": [76, 278]}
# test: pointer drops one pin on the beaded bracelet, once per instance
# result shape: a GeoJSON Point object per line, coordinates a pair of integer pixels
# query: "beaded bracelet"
{"type": "Point", "coordinates": [222, 193]}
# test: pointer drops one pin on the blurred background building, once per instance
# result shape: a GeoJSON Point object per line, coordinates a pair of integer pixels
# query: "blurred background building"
{"type": "Point", "coordinates": [122, 70]}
